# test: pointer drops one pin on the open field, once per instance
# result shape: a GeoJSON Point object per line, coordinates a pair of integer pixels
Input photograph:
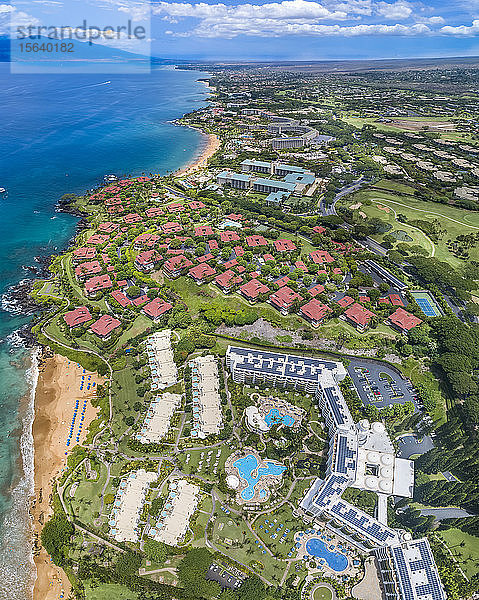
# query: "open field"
{"type": "Point", "coordinates": [468, 555]}
{"type": "Point", "coordinates": [108, 591]}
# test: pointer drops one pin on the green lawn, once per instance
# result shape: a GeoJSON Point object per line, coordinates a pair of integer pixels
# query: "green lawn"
{"type": "Point", "coordinates": [108, 591]}
{"type": "Point", "coordinates": [413, 369]}
{"type": "Point", "coordinates": [322, 593]}
{"type": "Point", "coordinates": [455, 220]}
{"type": "Point", "coordinates": [468, 555]}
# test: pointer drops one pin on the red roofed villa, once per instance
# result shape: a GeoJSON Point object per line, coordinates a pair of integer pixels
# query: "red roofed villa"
{"type": "Point", "coordinates": [314, 312]}
{"type": "Point", "coordinates": [77, 317]}
{"type": "Point", "coordinates": [252, 289]}
{"type": "Point", "coordinates": [104, 326]}
{"type": "Point", "coordinates": [284, 298]}
{"type": "Point", "coordinates": [403, 320]}
{"type": "Point", "coordinates": [358, 316]}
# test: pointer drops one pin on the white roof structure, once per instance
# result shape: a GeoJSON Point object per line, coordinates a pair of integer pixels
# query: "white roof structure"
{"type": "Point", "coordinates": [207, 417]}
{"type": "Point", "coordinates": [128, 505]}
{"type": "Point", "coordinates": [175, 517]}
{"type": "Point", "coordinates": [160, 357]}
{"type": "Point", "coordinates": [158, 417]}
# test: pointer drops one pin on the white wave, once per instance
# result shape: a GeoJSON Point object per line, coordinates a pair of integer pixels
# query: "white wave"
{"type": "Point", "coordinates": [16, 554]}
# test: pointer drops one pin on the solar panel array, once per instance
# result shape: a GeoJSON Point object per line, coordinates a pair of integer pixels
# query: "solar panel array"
{"type": "Point", "coordinates": [407, 566]}
{"type": "Point", "coordinates": [284, 365]}
{"type": "Point", "coordinates": [362, 522]}
{"type": "Point", "coordinates": [345, 459]}
{"type": "Point", "coordinates": [337, 405]}
{"type": "Point", "coordinates": [333, 487]}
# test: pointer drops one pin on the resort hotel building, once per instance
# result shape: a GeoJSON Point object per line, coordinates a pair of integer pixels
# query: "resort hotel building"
{"type": "Point", "coordinates": [174, 519]}
{"type": "Point", "coordinates": [128, 504]}
{"type": "Point", "coordinates": [361, 455]}
{"type": "Point", "coordinates": [158, 417]}
{"type": "Point", "coordinates": [160, 357]}
{"type": "Point", "coordinates": [205, 383]}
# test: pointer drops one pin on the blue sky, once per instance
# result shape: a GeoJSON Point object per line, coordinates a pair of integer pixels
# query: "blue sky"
{"type": "Point", "coordinates": [267, 30]}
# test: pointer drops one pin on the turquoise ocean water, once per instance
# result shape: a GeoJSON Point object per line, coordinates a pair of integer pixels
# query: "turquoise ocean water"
{"type": "Point", "coordinates": [59, 134]}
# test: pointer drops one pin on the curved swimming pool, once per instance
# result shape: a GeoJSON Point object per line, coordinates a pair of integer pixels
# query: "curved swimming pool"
{"type": "Point", "coordinates": [336, 560]}
{"type": "Point", "coordinates": [247, 466]}
{"type": "Point", "coordinates": [275, 418]}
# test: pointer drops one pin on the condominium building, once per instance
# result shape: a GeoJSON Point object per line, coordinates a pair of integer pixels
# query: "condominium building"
{"type": "Point", "coordinates": [207, 419]}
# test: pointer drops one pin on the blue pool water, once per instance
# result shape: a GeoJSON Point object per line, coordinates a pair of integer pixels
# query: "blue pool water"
{"type": "Point", "coordinates": [336, 560]}
{"type": "Point", "coordinates": [247, 466]}
{"type": "Point", "coordinates": [274, 418]}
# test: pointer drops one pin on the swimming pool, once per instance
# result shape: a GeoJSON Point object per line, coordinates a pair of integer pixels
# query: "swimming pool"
{"type": "Point", "coordinates": [335, 560]}
{"type": "Point", "coordinates": [247, 466]}
{"type": "Point", "coordinates": [274, 418]}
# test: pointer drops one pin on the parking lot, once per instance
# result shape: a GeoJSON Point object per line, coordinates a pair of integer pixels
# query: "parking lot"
{"type": "Point", "coordinates": [223, 576]}
{"type": "Point", "coordinates": [380, 385]}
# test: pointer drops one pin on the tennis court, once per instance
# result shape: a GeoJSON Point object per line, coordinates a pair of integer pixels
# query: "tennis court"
{"type": "Point", "coordinates": [427, 304]}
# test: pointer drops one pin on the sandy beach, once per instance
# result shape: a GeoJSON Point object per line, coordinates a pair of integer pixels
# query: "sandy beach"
{"type": "Point", "coordinates": [210, 148]}
{"type": "Point", "coordinates": [57, 390]}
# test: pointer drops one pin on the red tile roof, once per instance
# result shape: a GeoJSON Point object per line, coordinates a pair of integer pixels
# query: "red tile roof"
{"type": "Point", "coordinates": [156, 308]}
{"type": "Point", "coordinates": [364, 299]}
{"type": "Point", "coordinates": [345, 301]}
{"type": "Point", "coordinates": [140, 300]}
{"type": "Point", "coordinates": [201, 271]}
{"type": "Point", "coordinates": [284, 245]}
{"type": "Point", "coordinates": [268, 257]}
{"type": "Point", "coordinates": [359, 315]}
{"type": "Point", "coordinates": [229, 236]}
{"type": "Point", "coordinates": [299, 264]}
{"type": "Point", "coordinates": [88, 268]}
{"type": "Point", "coordinates": [176, 263]}
{"type": "Point", "coordinates": [105, 325]}
{"type": "Point", "coordinates": [196, 205]}
{"type": "Point", "coordinates": [317, 289]}
{"type": "Point", "coordinates": [318, 229]}
{"type": "Point", "coordinates": [144, 259]}
{"type": "Point", "coordinates": [77, 317]}
{"type": "Point", "coordinates": [97, 239]}
{"type": "Point", "coordinates": [132, 218]}
{"type": "Point", "coordinates": [404, 320]}
{"type": "Point", "coordinates": [154, 211]}
{"type": "Point", "coordinates": [213, 244]}
{"type": "Point", "coordinates": [146, 239]}
{"type": "Point", "coordinates": [97, 283]}
{"type": "Point", "coordinates": [253, 288]}
{"type": "Point", "coordinates": [171, 227]}
{"type": "Point", "coordinates": [108, 227]}
{"type": "Point", "coordinates": [321, 256]}
{"type": "Point", "coordinates": [239, 251]}
{"type": "Point", "coordinates": [121, 298]}
{"type": "Point", "coordinates": [283, 281]}
{"type": "Point", "coordinates": [204, 258]}
{"type": "Point", "coordinates": [84, 253]}
{"type": "Point", "coordinates": [315, 310]}
{"type": "Point", "coordinates": [384, 301]}
{"type": "Point", "coordinates": [203, 230]}
{"type": "Point", "coordinates": [284, 298]}
{"type": "Point", "coordinates": [228, 279]}
{"type": "Point", "coordinates": [256, 240]}
{"type": "Point", "coordinates": [396, 300]}
{"type": "Point", "coordinates": [230, 263]}
{"type": "Point", "coordinates": [175, 207]}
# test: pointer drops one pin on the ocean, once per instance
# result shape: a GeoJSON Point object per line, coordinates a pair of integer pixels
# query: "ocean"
{"type": "Point", "coordinates": [61, 134]}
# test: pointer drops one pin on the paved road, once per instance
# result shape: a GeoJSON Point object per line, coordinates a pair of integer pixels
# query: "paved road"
{"type": "Point", "coordinates": [331, 208]}
{"type": "Point", "coordinates": [410, 445]}
{"type": "Point", "coordinates": [365, 382]}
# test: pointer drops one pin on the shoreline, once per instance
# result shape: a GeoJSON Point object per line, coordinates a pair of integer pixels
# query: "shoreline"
{"type": "Point", "coordinates": [58, 388]}
{"type": "Point", "coordinates": [213, 142]}
{"type": "Point", "coordinates": [50, 424]}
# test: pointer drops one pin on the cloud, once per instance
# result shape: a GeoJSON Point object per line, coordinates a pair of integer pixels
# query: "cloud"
{"type": "Point", "coordinates": [6, 8]}
{"type": "Point", "coordinates": [461, 30]}
{"type": "Point", "coordinates": [396, 10]}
